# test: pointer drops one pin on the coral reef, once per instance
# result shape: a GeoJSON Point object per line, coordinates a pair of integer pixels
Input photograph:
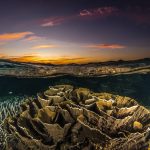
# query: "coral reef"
{"type": "Point", "coordinates": [10, 106]}
{"type": "Point", "coordinates": [68, 118]}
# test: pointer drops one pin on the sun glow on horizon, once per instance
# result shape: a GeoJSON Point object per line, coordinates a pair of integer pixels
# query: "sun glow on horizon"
{"type": "Point", "coordinates": [38, 58]}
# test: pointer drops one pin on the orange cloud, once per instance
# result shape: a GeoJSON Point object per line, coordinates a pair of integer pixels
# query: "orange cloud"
{"type": "Point", "coordinates": [106, 46]}
{"type": "Point", "coordinates": [25, 59]}
{"type": "Point", "coordinates": [49, 60]}
{"type": "Point", "coordinates": [2, 56]}
{"type": "Point", "coordinates": [32, 38]}
{"type": "Point", "coordinates": [43, 46]}
{"type": "Point", "coordinates": [14, 36]}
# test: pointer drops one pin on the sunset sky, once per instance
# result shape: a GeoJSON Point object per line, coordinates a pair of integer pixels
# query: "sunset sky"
{"type": "Point", "coordinates": [74, 31]}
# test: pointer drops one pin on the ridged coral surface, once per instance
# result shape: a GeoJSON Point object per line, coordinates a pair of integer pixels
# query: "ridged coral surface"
{"type": "Point", "coordinates": [68, 118]}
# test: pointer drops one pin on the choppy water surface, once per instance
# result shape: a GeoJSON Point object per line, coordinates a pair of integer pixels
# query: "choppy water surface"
{"type": "Point", "coordinates": [136, 86]}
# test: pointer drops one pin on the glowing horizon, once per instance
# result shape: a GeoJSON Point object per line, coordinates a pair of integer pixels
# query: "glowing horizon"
{"type": "Point", "coordinates": [36, 58]}
{"type": "Point", "coordinates": [91, 32]}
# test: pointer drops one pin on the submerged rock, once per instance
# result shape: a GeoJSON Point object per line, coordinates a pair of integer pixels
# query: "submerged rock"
{"type": "Point", "coordinates": [68, 118]}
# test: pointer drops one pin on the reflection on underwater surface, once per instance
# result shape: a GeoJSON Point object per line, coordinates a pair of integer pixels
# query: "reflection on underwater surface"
{"type": "Point", "coordinates": [136, 86]}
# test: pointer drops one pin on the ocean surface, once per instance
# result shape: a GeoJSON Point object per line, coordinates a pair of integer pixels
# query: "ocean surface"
{"type": "Point", "coordinates": [136, 86]}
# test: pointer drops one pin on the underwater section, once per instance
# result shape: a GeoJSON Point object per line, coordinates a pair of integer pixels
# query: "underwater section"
{"type": "Point", "coordinates": [65, 117]}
